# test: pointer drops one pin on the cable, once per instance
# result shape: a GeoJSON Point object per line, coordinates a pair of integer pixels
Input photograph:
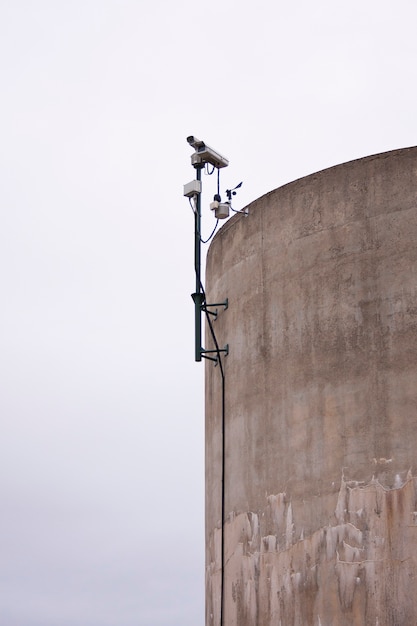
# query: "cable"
{"type": "Point", "coordinates": [191, 205]}
{"type": "Point", "coordinates": [223, 496]}
{"type": "Point", "coordinates": [213, 231]}
{"type": "Point", "coordinates": [213, 334]}
{"type": "Point", "coordinates": [199, 285]}
{"type": "Point", "coordinates": [199, 234]}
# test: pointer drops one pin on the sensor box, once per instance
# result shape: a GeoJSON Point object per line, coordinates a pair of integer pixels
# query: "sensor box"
{"type": "Point", "coordinates": [192, 188]}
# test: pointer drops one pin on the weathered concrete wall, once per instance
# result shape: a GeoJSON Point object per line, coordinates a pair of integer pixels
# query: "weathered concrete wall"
{"type": "Point", "coordinates": [320, 403]}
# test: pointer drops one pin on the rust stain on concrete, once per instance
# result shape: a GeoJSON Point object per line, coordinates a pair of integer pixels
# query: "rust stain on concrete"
{"type": "Point", "coordinates": [351, 569]}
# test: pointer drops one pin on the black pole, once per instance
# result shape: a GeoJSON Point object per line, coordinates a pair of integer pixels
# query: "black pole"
{"type": "Point", "coordinates": [198, 296]}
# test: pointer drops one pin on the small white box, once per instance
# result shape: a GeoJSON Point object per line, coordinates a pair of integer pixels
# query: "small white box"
{"type": "Point", "coordinates": [192, 188]}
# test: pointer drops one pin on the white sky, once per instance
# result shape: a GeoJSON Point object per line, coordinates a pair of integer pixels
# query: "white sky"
{"type": "Point", "coordinates": [101, 403]}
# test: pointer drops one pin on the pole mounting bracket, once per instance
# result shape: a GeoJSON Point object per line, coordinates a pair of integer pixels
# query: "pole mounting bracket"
{"type": "Point", "coordinates": [205, 353]}
{"type": "Point", "coordinates": [207, 307]}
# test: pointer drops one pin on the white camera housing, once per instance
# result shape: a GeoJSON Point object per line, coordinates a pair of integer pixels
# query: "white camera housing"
{"type": "Point", "coordinates": [204, 154]}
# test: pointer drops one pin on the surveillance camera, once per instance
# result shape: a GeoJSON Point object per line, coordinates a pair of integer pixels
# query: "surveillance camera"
{"type": "Point", "coordinates": [204, 154]}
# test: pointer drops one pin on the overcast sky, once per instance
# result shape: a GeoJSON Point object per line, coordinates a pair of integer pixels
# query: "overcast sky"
{"type": "Point", "coordinates": [101, 403]}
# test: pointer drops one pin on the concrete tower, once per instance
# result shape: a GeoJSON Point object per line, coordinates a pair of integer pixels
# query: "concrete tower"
{"type": "Point", "coordinates": [317, 523]}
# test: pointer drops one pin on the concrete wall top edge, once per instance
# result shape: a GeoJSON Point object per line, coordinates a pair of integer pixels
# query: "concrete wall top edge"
{"type": "Point", "coordinates": [306, 180]}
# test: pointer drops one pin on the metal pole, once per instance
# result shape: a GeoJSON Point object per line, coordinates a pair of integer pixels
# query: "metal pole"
{"type": "Point", "coordinates": [198, 296]}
